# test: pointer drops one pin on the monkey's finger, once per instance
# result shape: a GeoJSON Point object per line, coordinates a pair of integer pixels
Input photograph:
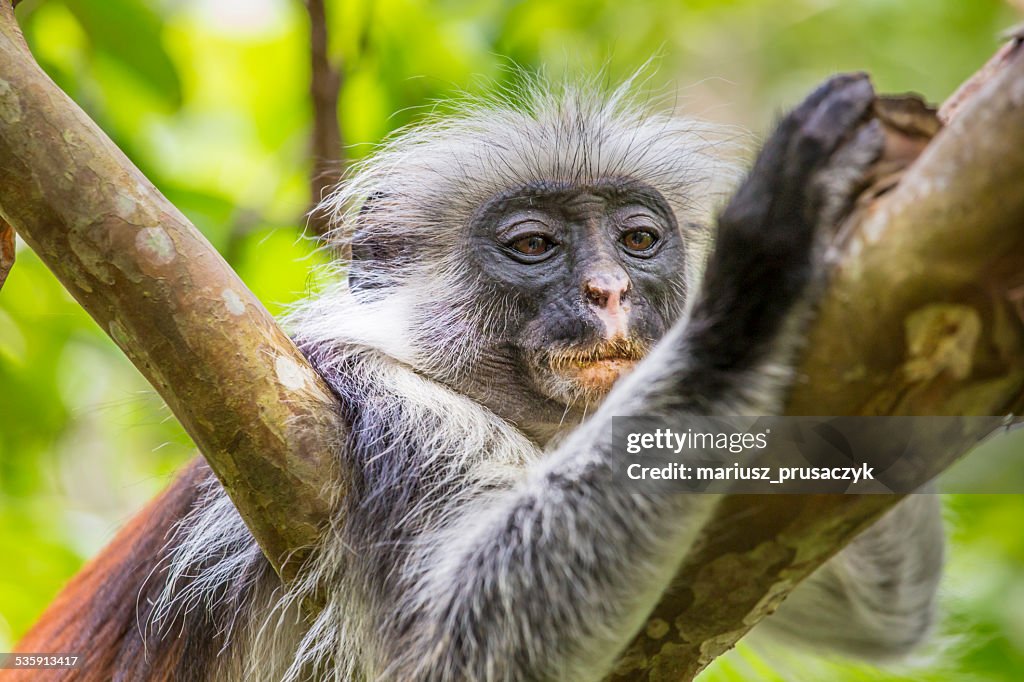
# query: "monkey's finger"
{"type": "Point", "coordinates": [834, 120]}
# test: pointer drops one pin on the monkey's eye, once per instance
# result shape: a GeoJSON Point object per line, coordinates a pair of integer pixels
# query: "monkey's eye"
{"type": "Point", "coordinates": [533, 245]}
{"type": "Point", "coordinates": [639, 240]}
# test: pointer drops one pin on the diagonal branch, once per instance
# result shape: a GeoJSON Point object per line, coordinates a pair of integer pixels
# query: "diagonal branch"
{"type": "Point", "coordinates": [258, 412]}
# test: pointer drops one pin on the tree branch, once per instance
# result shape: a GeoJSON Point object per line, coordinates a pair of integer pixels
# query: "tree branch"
{"type": "Point", "coordinates": [920, 319]}
{"type": "Point", "coordinates": [258, 412]}
{"type": "Point", "coordinates": [324, 89]}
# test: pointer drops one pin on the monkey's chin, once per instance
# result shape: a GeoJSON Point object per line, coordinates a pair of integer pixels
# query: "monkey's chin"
{"type": "Point", "coordinates": [593, 380]}
{"type": "Point", "coordinates": [600, 375]}
{"type": "Point", "coordinates": [579, 377]}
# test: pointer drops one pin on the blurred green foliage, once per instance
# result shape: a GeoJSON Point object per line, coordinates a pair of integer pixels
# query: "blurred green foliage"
{"type": "Point", "coordinates": [209, 98]}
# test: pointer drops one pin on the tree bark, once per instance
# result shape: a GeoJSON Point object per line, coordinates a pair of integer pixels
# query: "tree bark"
{"type": "Point", "coordinates": [919, 319]}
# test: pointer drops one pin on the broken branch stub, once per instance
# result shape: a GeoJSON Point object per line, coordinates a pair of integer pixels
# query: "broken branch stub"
{"type": "Point", "coordinates": [7, 252]}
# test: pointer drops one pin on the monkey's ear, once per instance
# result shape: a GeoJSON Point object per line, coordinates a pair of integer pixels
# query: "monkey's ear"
{"type": "Point", "coordinates": [376, 252]}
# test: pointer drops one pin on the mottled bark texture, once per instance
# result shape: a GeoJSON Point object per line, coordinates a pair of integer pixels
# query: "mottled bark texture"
{"type": "Point", "coordinates": [923, 316]}
{"type": "Point", "coordinates": [256, 409]}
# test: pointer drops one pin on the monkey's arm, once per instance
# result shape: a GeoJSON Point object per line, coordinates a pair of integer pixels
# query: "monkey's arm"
{"type": "Point", "coordinates": [550, 579]}
{"type": "Point", "coordinates": [876, 598]}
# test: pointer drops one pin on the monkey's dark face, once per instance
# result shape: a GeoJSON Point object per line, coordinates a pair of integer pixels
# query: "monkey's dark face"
{"type": "Point", "coordinates": [593, 275]}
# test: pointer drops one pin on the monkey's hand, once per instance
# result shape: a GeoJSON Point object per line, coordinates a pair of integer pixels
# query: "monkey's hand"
{"type": "Point", "coordinates": [771, 233]}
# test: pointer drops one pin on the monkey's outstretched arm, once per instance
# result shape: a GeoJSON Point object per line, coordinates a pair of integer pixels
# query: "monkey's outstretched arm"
{"type": "Point", "coordinates": [549, 580]}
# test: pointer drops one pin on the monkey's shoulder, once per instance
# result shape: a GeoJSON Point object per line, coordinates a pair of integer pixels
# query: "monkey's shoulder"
{"type": "Point", "coordinates": [397, 418]}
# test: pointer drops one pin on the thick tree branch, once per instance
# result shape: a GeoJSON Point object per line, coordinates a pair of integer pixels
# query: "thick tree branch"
{"type": "Point", "coordinates": [922, 317]}
{"type": "Point", "coordinates": [324, 89]}
{"type": "Point", "coordinates": [253, 405]}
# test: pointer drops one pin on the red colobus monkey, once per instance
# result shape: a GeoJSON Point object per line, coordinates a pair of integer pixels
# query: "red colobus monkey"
{"type": "Point", "coordinates": [509, 264]}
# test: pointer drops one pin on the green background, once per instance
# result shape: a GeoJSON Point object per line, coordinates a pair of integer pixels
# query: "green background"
{"type": "Point", "coordinates": [209, 98]}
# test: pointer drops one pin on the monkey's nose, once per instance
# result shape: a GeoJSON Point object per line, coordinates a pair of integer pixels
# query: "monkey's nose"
{"type": "Point", "coordinates": [605, 293]}
{"type": "Point", "coordinates": [606, 290]}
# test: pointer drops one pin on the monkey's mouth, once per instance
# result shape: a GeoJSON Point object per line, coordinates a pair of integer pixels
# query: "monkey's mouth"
{"type": "Point", "coordinates": [594, 369]}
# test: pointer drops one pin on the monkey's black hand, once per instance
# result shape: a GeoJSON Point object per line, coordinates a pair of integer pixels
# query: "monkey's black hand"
{"type": "Point", "coordinates": [800, 186]}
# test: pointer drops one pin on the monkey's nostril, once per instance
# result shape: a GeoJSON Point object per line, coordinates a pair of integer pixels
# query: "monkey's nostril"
{"type": "Point", "coordinates": [597, 296]}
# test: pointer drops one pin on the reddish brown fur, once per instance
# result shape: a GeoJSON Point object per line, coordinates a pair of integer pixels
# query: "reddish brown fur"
{"type": "Point", "coordinates": [98, 614]}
